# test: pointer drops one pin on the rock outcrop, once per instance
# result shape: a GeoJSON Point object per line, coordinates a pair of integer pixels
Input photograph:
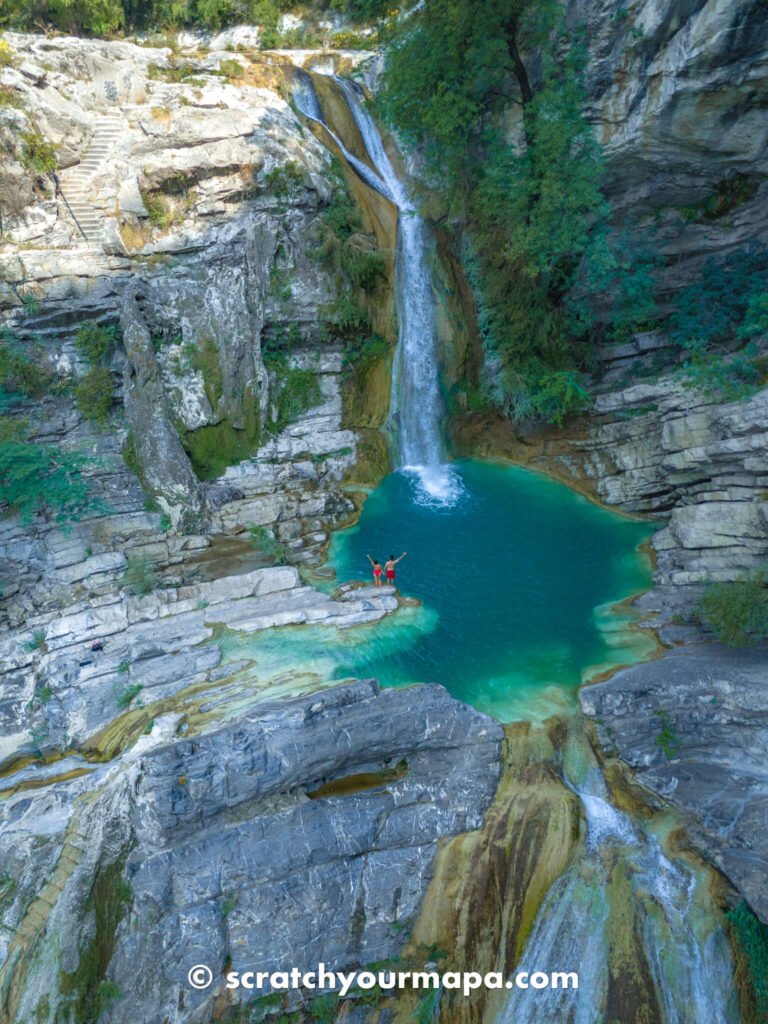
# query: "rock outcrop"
{"type": "Point", "coordinates": [694, 727]}
{"type": "Point", "coordinates": [676, 92]}
{"type": "Point", "coordinates": [102, 670]}
{"type": "Point", "coordinates": [202, 216]}
{"type": "Point", "coordinates": [303, 831]}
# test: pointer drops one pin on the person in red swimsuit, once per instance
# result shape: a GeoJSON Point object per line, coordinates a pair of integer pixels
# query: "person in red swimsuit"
{"type": "Point", "coordinates": [389, 566]}
{"type": "Point", "coordinates": [376, 570]}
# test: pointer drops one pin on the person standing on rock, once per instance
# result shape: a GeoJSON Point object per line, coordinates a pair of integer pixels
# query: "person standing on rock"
{"type": "Point", "coordinates": [390, 567]}
{"type": "Point", "coordinates": [376, 570]}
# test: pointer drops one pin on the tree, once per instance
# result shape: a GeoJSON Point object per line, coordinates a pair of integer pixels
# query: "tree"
{"type": "Point", "coordinates": [530, 200]}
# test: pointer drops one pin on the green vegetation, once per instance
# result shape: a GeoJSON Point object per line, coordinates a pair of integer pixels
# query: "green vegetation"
{"type": "Point", "coordinates": [737, 612]}
{"type": "Point", "coordinates": [296, 392]}
{"type": "Point", "coordinates": [86, 989]}
{"type": "Point", "coordinates": [139, 577]}
{"type": "Point", "coordinates": [361, 351]}
{"type": "Point", "coordinates": [95, 343]}
{"type": "Point", "coordinates": [363, 10]}
{"type": "Point", "coordinates": [212, 448]}
{"type": "Point", "coordinates": [282, 180]}
{"type": "Point", "coordinates": [727, 306]}
{"type": "Point", "coordinates": [750, 938]}
{"type": "Point", "coordinates": [21, 375]}
{"type": "Point", "coordinates": [10, 97]}
{"type": "Point", "coordinates": [359, 267]}
{"type": "Point", "coordinates": [667, 738]}
{"type": "Point", "coordinates": [231, 69]}
{"type": "Point", "coordinates": [37, 155]}
{"type": "Point", "coordinates": [108, 17]}
{"type": "Point", "coordinates": [729, 195]}
{"type": "Point", "coordinates": [7, 55]}
{"type": "Point", "coordinates": [176, 72]}
{"type": "Point", "coordinates": [93, 394]}
{"type": "Point", "coordinates": [37, 643]}
{"type": "Point", "coordinates": [528, 214]}
{"type": "Point", "coordinates": [158, 210]}
{"type": "Point", "coordinates": [428, 1007]}
{"type": "Point", "coordinates": [343, 245]}
{"type": "Point", "coordinates": [125, 695]}
{"type": "Point", "coordinates": [262, 539]}
{"type": "Point", "coordinates": [206, 360]}
{"type": "Point", "coordinates": [38, 478]}
{"type": "Point", "coordinates": [323, 1009]}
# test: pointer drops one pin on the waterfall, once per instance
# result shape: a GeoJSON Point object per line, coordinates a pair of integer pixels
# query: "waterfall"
{"type": "Point", "coordinates": [416, 405]}
{"type": "Point", "coordinates": [686, 952]}
{"type": "Point", "coordinates": [305, 98]}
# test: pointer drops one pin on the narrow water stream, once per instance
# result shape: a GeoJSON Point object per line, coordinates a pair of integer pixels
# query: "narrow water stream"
{"type": "Point", "coordinates": [627, 917]}
{"type": "Point", "coordinates": [518, 580]}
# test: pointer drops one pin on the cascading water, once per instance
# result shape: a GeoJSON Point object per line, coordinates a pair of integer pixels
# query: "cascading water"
{"type": "Point", "coordinates": [305, 97]}
{"type": "Point", "coordinates": [621, 895]}
{"type": "Point", "coordinates": [416, 406]}
{"type": "Point", "coordinates": [686, 952]}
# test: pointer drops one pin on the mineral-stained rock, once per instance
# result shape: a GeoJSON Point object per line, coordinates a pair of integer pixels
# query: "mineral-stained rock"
{"type": "Point", "coordinates": [233, 850]}
{"type": "Point", "coordinates": [694, 726]}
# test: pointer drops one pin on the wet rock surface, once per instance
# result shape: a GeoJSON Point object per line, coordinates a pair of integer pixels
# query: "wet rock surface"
{"type": "Point", "coordinates": [694, 727]}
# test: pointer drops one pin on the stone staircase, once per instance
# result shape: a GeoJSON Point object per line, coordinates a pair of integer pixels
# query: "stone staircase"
{"type": "Point", "coordinates": [76, 184]}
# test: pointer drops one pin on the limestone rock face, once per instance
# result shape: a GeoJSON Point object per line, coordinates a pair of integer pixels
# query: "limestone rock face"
{"type": "Point", "coordinates": [677, 92]}
{"type": "Point", "coordinates": [694, 726]}
{"type": "Point", "coordinates": [697, 465]}
{"type": "Point", "coordinates": [165, 466]}
{"type": "Point", "coordinates": [201, 197]}
{"type": "Point", "coordinates": [236, 844]}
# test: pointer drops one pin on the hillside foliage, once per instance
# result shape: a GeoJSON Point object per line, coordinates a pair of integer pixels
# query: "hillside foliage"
{"type": "Point", "coordinates": [520, 172]}
{"type": "Point", "coordinates": [111, 17]}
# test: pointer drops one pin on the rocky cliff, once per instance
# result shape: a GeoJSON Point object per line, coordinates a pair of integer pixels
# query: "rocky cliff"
{"type": "Point", "coordinates": [302, 831]}
{"type": "Point", "coordinates": [184, 218]}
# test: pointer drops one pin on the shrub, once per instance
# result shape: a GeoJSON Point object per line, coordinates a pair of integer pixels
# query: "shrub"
{"type": "Point", "coordinates": [263, 540]}
{"type": "Point", "coordinates": [93, 394]}
{"type": "Point", "coordinates": [19, 374]}
{"type": "Point", "coordinates": [124, 696]}
{"type": "Point", "coordinates": [95, 343]}
{"type": "Point", "coordinates": [231, 69]}
{"type": "Point", "coordinates": [158, 210]}
{"type": "Point", "coordinates": [345, 248]}
{"type": "Point", "coordinates": [10, 97]}
{"type": "Point", "coordinates": [281, 181]}
{"type": "Point", "coordinates": [8, 57]}
{"type": "Point", "coordinates": [40, 478]}
{"type": "Point", "coordinates": [176, 73]}
{"type": "Point", "coordinates": [361, 351]}
{"type": "Point", "coordinates": [37, 643]}
{"type": "Point", "coordinates": [37, 155]}
{"type": "Point", "coordinates": [737, 612]}
{"type": "Point", "coordinates": [139, 577]}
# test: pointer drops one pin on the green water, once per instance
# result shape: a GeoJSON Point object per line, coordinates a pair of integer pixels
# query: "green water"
{"type": "Point", "coordinates": [516, 580]}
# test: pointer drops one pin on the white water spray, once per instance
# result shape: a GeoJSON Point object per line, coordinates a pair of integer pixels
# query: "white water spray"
{"type": "Point", "coordinates": [688, 958]}
{"type": "Point", "coordinates": [416, 405]}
